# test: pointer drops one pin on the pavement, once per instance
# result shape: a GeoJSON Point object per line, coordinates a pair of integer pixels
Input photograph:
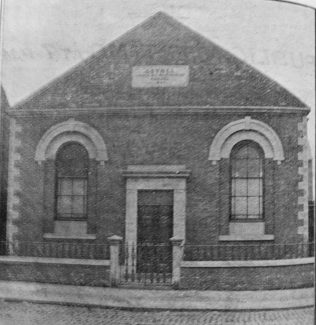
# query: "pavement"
{"type": "Point", "coordinates": [25, 313]}
{"type": "Point", "coordinates": [156, 299]}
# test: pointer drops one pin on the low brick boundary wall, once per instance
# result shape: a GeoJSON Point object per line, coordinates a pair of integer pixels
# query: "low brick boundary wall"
{"type": "Point", "coordinates": [247, 275]}
{"type": "Point", "coordinates": [53, 270]}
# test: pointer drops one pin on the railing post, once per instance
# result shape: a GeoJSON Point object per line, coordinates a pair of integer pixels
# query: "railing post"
{"type": "Point", "coordinates": [114, 242]}
{"type": "Point", "coordinates": [177, 253]}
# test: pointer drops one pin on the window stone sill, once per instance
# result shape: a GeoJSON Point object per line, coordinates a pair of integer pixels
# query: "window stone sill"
{"type": "Point", "coordinates": [248, 237]}
{"type": "Point", "coordinates": [59, 236]}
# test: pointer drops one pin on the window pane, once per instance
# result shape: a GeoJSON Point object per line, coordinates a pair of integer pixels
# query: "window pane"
{"type": "Point", "coordinates": [65, 186]}
{"type": "Point", "coordinates": [241, 205]}
{"type": "Point", "coordinates": [239, 187]}
{"type": "Point", "coordinates": [64, 204]}
{"type": "Point", "coordinates": [78, 204]}
{"type": "Point", "coordinates": [239, 168]}
{"type": "Point", "coordinates": [241, 153]}
{"type": "Point", "coordinates": [79, 187]}
{"type": "Point", "coordinates": [253, 205]}
{"type": "Point", "coordinates": [260, 206]}
{"type": "Point", "coordinates": [233, 206]}
{"type": "Point", "coordinates": [254, 168]}
{"type": "Point", "coordinates": [252, 152]}
{"type": "Point", "coordinates": [254, 187]}
{"type": "Point", "coordinates": [239, 216]}
{"type": "Point", "coordinates": [254, 216]}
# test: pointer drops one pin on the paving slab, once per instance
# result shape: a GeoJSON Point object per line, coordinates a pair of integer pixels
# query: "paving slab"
{"type": "Point", "coordinates": [157, 299]}
{"type": "Point", "coordinates": [26, 313]}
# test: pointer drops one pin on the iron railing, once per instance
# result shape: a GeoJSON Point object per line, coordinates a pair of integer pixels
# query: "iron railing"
{"type": "Point", "coordinates": [145, 258]}
{"type": "Point", "coordinates": [248, 252]}
{"type": "Point", "coordinates": [54, 249]}
{"type": "Point", "coordinates": [146, 264]}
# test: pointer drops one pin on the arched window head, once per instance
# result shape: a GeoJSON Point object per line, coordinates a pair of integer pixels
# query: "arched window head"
{"type": "Point", "coordinates": [247, 177]}
{"type": "Point", "coordinates": [71, 131]}
{"type": "Point", "coordinates": [72, 169]}
{"type": "Point", "coordinates": [246, 129]}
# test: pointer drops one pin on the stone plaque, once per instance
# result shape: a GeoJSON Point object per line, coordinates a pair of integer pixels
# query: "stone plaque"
{"type": "Point", "coordinates": [148, 76]}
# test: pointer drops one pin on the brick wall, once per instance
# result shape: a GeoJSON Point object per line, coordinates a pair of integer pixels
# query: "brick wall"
{"type": "Point", "coordinates": [92, 275]}
{"type": "Point", "coordinates": [160, 139]}
{"type": "Point", "coordinates": [248, 278]}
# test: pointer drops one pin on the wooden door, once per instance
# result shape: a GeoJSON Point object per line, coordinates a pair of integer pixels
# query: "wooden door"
{"type": "Point", "coordinates": [155, 228]}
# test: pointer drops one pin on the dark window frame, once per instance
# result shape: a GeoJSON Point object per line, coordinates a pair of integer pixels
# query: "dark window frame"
{"type": "Point", "coordinates": [58, 178]}
{"type": "Point", "coordinates": [234, 150]}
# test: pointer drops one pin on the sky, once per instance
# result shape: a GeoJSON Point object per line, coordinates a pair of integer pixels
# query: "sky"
{"type": "Point", "coordinates": [42, 39]}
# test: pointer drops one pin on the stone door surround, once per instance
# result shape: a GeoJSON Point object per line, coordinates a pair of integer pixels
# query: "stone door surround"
{"type": "Point", "coordinates": [155, 177]}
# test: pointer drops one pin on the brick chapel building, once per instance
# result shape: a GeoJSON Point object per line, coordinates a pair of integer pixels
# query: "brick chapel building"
{"type": "Point", "coordinates": [160, 134]}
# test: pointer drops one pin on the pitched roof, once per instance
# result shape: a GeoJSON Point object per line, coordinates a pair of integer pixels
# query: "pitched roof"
{"type": "Point", "coordinates": [217, 77]}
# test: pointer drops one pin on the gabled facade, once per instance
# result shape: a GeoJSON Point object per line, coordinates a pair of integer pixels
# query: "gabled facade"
{"type": "Point", "coordinates": [160, 134]}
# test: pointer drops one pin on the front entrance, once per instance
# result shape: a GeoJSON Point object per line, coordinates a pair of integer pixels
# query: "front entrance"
{"type": "Point", "coordinates": [155, 212]}
{"type": "Point", "coordinates": [154, 230]}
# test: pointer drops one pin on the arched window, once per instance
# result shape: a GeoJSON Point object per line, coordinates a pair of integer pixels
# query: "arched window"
{"type": "Point", "coordinates": [72, 169]}
{"type": "Point", "coordinates": [247, 177]}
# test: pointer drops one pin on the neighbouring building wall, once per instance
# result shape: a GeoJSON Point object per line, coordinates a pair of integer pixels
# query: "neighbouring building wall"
{"type": "Point", "coordinates": [153, 139]}
{"type": "Point", "coordinates": [4, 136]}
{"type": "Point", "coordinates": [311, 198]}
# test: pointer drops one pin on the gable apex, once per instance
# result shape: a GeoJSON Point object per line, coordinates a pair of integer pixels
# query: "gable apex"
{"type": "Point", "coordinates": [215, 76]}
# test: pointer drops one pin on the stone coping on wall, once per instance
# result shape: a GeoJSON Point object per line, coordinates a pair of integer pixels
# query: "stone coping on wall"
{"type": "Point", "coordinates": [58, 236]}
{"type": "Point", "coordinates": [252, 263]}
{"type": "Point", "coordinates": [51, 260]}
{"type": "Point", "coordinates": [245, 237]}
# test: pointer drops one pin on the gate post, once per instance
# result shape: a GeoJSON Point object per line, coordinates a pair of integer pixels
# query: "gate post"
{"type": "Point", "coordinates": [177, 253]}
{"type": "Point", "coordinates": [114, 259]}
